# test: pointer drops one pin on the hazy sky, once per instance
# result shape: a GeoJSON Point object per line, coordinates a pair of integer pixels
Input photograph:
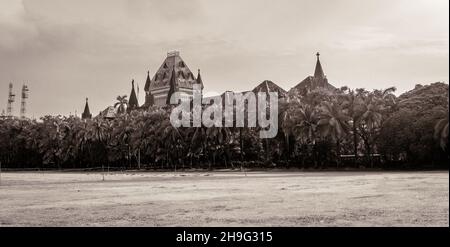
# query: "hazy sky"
{"type": "Point", "coordinates": [72, 49]}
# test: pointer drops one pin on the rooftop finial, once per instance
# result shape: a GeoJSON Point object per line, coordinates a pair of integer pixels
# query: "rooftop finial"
{"type": "Point", "coordinates": [86, 99]}
{"type": "Point", "coordinates": [173, 53]}
{"type": "Point", "coordinates": [317, 54]}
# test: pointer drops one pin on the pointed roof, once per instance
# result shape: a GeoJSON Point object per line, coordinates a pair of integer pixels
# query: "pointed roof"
{"type": "Point", "coordinates": [184, 77]}
{"type": "Point", "coordinates": [173, 86]}
{"type": "Point", "coordinates": [269, 86]}
{"type": "Point", "coordinates": [133, 102]}
{"type": "Point", "coordinates": [86, 113]}
{"type": "Point", "coordinates": [199, 79]}
{"type": "Point", "coordinates": [318, 72]}
{"type": "Point", "coordinates": [319, 80]}
{"type": "Point", "coordinates": [147, 82]}
{"type": "Point", "coordinates": [109, 113]}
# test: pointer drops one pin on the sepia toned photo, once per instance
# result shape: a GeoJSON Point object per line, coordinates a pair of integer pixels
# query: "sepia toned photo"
{"type": "Point", "coordinates": [208, 113]}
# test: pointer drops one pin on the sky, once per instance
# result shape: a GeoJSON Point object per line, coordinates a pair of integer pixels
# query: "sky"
{"type": "Point", "coordinates": [68, 50]}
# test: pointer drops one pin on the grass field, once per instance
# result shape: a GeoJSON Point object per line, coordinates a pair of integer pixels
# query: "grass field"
{"type": "Point", "coordinates": [276, 198]}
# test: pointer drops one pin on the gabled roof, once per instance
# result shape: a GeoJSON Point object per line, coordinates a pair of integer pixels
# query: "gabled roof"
{"type": "Point", "coordinates": [184, 77]}
{"type": "Point", "coordinates": [269, 86]}
{"type": "Point", "coordinates": [109, 113]}
{"type": "Point", "coordinates": [310, 83]}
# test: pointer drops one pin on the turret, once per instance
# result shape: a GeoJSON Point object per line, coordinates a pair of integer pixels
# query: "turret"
{"type": "Point", "coordinates": [86, 113]}
{"type": "Point", "coordinates": [133, 102]}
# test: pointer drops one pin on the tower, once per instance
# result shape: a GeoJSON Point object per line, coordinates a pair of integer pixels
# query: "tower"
{"type": "Point", "coordinates": [23, 103]}
{"type": "Point", "coordinates": [173, 74]}
{"type": "Point", "coordinates": [318, 72]}
{"type": "Point", "coordinates": [86, 113]}
{"type": "Point", "coordinates": [149, 100]}
{"type": "Point", "coordinates": [199, 80]}
{"type": "Point", "coordinates": [11, 99]}
{"type": "Point", "coordinates": [173, 86]}
{"type": "Point", "coordinates": [318, 80]}
{"type": "Point", "coordinates": [133, 102]}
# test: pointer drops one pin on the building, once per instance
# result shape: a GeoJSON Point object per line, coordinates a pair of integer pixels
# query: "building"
{"type": "Point", "coordinates": [269, 86]}
{"type": "Point", "coordinates": [175, 76]}
{"type": "Point", "coordinates": [319, 80]}
{"type": "Point", "coordinates": [172, 76]}
{"type": "Point", "coordinates": [109, 113]}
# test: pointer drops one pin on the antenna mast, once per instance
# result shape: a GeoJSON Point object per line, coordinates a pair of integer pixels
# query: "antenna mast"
{"type": "Point", "coordinates": [11, 98]}
{"type": "Point", "coordinates": [23, 103]}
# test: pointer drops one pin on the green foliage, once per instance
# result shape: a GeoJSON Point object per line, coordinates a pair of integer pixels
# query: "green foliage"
{"type": "Point", "coordinates": [315, 129]}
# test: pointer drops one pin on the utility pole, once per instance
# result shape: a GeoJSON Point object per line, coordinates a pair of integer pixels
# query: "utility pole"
{"type": "Point", "coordinates": [23, 103]}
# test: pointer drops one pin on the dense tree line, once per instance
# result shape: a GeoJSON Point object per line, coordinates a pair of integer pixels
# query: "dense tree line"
{"type": "Point", "coordinates": [318, 129]}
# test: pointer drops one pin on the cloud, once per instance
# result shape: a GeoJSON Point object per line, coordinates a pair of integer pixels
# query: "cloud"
{"type": "Point", "coordinates": [376, 39]}
{"type": "Point", "coordinates": [93, 48]}
{"type": "Point", "coordinates": [15, 29]}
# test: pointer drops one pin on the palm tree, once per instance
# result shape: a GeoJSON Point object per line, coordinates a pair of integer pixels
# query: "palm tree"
{"type": "Point", "coordinates": [171, 142]}
{"type": "Point", "coordinates": [334, 123]}
{"type": "Point", "coordinates": [371, 120]}
{"type": "Point", "coordinates": [218, 139]}
{"type": "Point", "coordinates": [305, 121]}
{"type": "Point", "coordinates": [122, 103]}
{"type": "Point", "coordinates": [352, 104]}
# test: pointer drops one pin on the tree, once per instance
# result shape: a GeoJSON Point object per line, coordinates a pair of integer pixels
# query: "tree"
{"type": "Point", "coordinates": [352, 104]}
{"type": "Point", "coordinates": [370, 123]}
{"type": "Point", "coordinates": [441, 131]}
{"type": "Point", "coordinates": [304, 130]}
{"type": "Point", "coordinates": [333, 123]}
{"type": "Point", "coordinates": [122, 104]}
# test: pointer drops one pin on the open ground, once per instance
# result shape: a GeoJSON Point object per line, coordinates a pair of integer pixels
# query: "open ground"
{"type": "Point", "coordinates": [276, 198]}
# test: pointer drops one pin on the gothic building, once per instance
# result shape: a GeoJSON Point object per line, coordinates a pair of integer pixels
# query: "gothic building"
{"type": "Point", "coordinates": [172, 76]}
{"type": "Point", "coordinates": [175, 76]}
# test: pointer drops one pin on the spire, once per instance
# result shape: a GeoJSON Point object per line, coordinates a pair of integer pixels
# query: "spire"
{"type": "Point", "coordinates": [199, 79]}
{"type": "Point", "coordinates": [318, 73]}
{"type": "Point", "coordinates": [173, 86]}
{"type": "Point", "coordinates": [133, 101]}
{"type": "Point", "coordinates": [147, 82]}
{"type": "Point", "coordinates": [149, 100]}
{"type": "Point", "coordinates": [86, 114]}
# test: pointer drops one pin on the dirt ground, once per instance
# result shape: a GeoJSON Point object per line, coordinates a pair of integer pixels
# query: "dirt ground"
{"type": "Point", "coordinates": [225, 199]}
